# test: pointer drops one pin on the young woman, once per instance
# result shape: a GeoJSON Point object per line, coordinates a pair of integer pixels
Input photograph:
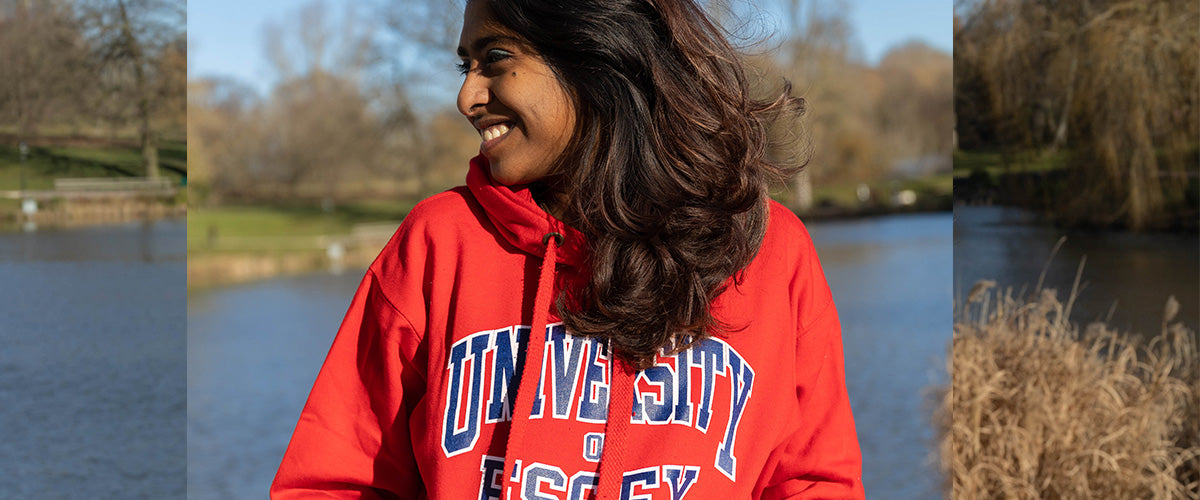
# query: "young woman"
{"type": "Point", "coordinates": [610, 308]}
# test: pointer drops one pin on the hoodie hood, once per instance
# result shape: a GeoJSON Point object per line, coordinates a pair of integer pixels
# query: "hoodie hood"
{"type": "Point", "coordinates": [520, 220]}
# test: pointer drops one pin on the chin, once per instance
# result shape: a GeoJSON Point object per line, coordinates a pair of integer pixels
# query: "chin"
{"type": "Point", "coordinates": [509, 177]}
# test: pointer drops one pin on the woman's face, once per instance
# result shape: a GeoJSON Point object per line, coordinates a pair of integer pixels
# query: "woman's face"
{"type": "Point", "coordinates": [523, 114]}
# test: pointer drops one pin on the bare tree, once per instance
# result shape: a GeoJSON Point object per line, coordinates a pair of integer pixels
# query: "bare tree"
{"type": "Point", "coordinates": [326, 125]}
{"type": "Point", "coordinates": [132, 39]}
{"type": "Point", "coordinates": [43, 63]}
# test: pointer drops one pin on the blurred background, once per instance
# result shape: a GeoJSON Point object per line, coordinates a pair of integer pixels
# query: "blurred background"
{"type": "Point", "coordinates": [1081, 120]}
{"type": "Point", "coordinates": [314, 128]}
{"type": "Point", "coordinates": [1076, 251]}
{"type": "Point", "coordinates": [93, 248]}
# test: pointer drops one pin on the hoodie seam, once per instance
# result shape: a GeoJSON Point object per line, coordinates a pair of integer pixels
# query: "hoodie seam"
{"type": "Point", "coordinates": [388, 300]}
{"type": "Point", "coordinates": [806, 329]}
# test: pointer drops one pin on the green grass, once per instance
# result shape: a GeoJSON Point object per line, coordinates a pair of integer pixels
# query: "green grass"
{"type": "Point", "coordinates": [269, 228]}
{"type": "Point", "coordinates": [996, 163]}
{"type": "Point", "coordinates": [44, 164]}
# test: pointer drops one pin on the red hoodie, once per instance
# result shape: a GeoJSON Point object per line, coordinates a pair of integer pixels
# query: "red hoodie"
{"type": "Point", "coordinates": [415, 397]}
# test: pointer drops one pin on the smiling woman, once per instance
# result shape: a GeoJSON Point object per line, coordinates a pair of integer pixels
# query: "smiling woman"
{"type": "Point", "coordinates": [677, 340]}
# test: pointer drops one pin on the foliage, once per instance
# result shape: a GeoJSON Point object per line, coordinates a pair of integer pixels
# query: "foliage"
{"type": "Point", "coordinates": [1039, 409]}
{"type": "Point", "coordinates": [353, 114]}
{"type": "Point", "coordinates": [336, 127]}
{"type": "Point", "coordinates": [1112, 81]}
{"type": "Point", "coordinates": [863, 122]}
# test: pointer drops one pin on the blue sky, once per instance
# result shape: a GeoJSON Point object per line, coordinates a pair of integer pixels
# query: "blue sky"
{"type": "Point", "coordinates": [225, 36]}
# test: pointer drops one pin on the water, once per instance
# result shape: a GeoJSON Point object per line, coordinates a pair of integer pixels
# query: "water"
{"type": "Point", "coordinates": [254, 351]}
{"type": "Point", "coordinates": [92, 376]}
{"type": "Point", "coordinates": [253, 354]}
{"type": "Point", "coordinates": [1129, 274]}
{"type": "Point", "coordinates": [890, 278]}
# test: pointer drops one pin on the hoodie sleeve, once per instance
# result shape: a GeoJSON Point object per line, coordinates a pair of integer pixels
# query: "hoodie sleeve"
{"type": "Point", "coordinates": [352, 440]}
{"type": "Point", "coordinates": [821, 458]}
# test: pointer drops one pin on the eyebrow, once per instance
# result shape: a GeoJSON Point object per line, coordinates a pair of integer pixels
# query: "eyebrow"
{"type": "Point", "coordinates": [480, 43]}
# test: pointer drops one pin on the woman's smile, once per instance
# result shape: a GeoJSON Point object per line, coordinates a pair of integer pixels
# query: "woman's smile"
{"type": "Point", "coordinates": [492, 130]}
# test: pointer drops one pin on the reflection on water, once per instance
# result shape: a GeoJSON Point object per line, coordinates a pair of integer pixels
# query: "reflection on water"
{"type": "Point", "coordinates": [91, 375]}
{"type": "Point", "coordinates": [254, 351]}
{"type": "Point", "coordinates": [149, 241]}
{"type": "Point", "coordinates": [1129, 274]}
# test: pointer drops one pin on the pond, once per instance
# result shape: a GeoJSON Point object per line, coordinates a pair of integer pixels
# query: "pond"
{"type": "Point", "coordinates": [92, 373]}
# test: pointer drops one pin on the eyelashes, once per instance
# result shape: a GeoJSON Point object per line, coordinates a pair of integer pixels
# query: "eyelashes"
{"type": "Point", "coordinates": [492, 56]}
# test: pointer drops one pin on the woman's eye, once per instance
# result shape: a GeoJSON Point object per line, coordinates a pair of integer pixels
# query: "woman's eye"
{"type": "Point", "coordinates": [463, 67]}
{"type": "Point", "coordinates": [496, 55]}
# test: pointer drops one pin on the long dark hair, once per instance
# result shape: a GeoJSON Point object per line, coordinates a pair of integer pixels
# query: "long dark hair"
{"type": "Point", "coordinates": [667, 171]}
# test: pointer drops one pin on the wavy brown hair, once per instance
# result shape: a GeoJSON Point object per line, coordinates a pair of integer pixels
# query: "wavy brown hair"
{"type": "Point", "coordinates": [667, 171]}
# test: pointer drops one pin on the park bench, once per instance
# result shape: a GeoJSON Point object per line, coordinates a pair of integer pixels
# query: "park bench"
{"type": "Point", "coordinates": [114, 184]}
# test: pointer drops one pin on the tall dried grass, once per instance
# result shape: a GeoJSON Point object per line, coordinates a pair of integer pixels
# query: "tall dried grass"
{"type": "Point", "coordinates": [1039, 409]}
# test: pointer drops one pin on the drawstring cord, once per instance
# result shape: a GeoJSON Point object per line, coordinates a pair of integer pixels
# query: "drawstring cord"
{"type": "Point", "coordinates": [620, 411]}
{"type": "Point", "coordinates": [534, 350]}
{"type": "Point", "coordinates": [620, 407]}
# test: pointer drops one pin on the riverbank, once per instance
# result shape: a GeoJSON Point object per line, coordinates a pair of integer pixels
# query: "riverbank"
{"type": "Point", "coordinates": [85, 212]}
{"type": "Point", "coordinates": [31, 197]}
{"type": "Point", "coordinates": [228, 245]}
{"type": "Point", "coordinates": [1045, 183]}
{"type": "Point", "coordinates": [1042, 408]}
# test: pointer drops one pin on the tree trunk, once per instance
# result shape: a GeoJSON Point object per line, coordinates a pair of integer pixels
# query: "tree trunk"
{"type": "Point", "coordinates": [149, 145]}
{"type": "Point", "coordinates": [804, 194]}
{"type": "Point", "coordinates": [1060, 132]}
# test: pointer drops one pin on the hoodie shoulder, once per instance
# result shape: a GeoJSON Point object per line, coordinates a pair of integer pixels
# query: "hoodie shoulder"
{"type": "Point", "coordinates": [438, 219]}
{"type": "Point", "coordinates": [447, 207]}
{"type": "Point", "coordinates": [785, 228]}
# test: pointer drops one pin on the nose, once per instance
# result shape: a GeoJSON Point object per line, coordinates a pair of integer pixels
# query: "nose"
{"type": "Point", "coordinates": [473, 94]}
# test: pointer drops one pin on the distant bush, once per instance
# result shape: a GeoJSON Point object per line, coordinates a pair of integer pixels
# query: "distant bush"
{"type": "Point", "coordinates": [1039, 409]}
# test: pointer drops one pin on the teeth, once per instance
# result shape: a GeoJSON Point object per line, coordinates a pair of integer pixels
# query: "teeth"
{"type": "Point", "coordinates": [494, 131]}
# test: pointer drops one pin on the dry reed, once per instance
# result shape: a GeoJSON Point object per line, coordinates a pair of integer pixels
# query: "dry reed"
{"type": "Point", "coordinates": [1039, 409]}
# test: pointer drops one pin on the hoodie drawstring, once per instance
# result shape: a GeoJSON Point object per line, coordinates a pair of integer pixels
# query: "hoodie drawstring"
{"type": "Point", "coordinates": [620, 411]}
{"type": "Point", "coordinates": [620, 407]}
{"type": "Point", "coordinates": [530, 373]}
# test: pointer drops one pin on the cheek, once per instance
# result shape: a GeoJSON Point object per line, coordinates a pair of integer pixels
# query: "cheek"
{"type": "Point", "coordinates": [558, 118]}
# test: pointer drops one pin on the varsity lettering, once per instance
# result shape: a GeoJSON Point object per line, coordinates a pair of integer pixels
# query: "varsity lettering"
{"type": "Point", "coordinates": [483, 372]}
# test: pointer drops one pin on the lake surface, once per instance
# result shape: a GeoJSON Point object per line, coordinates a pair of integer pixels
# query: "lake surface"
{"type": "Point", "coordinates": [1126, 273]}
{"type": "Point", "coordinates": [92, 374]}
{"type": "Point", "coordinates": [255, 349]}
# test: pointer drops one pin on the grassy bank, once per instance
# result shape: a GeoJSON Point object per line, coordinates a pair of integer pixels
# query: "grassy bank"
{"type": "Point", "coordinates": [269, 228]}
{"type": "Point", "coordinates": [52, 157]}
{"type": "Point", "coordinates": [1042, 409]}
{"type": "Point", "coordinates": [44, 163]}
{"type": "Point", "coordinates": [235, 244]}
